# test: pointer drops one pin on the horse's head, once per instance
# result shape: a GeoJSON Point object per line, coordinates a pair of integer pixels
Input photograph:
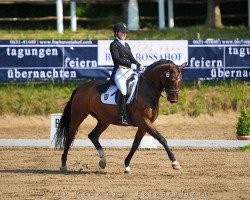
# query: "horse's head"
{"type": "Point", "coordinates": [170, 80]}
{"type": "Point", "coordinates": [165, 75]}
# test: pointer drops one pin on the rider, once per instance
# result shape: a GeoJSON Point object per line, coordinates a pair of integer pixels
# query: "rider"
{"type": "Point", "coordinates": [124, 61]}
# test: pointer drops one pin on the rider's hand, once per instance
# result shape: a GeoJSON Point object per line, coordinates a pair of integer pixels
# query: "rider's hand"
{"type": "Point", "coordinates": [133, 66]}
{"type": "Point", "coordinates": [142, 68]}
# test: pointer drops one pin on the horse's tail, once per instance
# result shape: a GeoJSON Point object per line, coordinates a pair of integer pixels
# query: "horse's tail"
{"type": "Point", "coordinates": [63, 127]}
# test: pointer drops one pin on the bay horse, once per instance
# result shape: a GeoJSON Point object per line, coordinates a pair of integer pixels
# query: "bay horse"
{"type": "Point", "coordinates": [85, 100]}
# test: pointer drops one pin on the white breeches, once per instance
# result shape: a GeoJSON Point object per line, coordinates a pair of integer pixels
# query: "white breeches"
{"type": "Point", "coordinates": [121, 77]}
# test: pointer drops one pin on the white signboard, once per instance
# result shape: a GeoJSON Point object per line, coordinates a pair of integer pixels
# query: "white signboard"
{"type": "Point", "coordinates": [54, 122]}
{"type": "Point", "coordinates": [147, 52]}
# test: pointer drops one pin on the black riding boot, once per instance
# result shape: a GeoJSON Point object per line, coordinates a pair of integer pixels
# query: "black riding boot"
{"type": "Point", "coordinates": [123, 118]}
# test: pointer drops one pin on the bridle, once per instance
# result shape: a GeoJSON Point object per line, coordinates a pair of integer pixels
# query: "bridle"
{"type": "Point", "coordinates": [163, 87]}
{"type": "Point", "coordinates": [169, 76]}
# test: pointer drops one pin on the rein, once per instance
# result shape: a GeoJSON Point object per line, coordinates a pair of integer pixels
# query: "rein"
{"type": "Point", "coordinates": [159, 90]}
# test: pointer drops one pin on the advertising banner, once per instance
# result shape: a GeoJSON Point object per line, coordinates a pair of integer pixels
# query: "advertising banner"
{"type": "Point", "coordinates": [218, 59]}
{"type": "Point", "coordinates": [210, 59]}
{"type": "Point", "coordinates": [49, 60]}
{"type": "Point", "coordinates": [147, 52]}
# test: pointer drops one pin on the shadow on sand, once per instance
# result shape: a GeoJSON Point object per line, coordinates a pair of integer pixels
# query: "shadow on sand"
{"type": "Point", "coordinates": [46, 171]}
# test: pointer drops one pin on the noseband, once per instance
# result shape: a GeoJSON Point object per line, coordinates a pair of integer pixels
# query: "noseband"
{"type": "Point", "coordinates": [167, 90]}
{"type": "Point", "coordinates": [173, 91]}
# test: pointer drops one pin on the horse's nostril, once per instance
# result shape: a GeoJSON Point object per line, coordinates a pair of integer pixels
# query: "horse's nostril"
{"type": "Point", "coordinates": [173, 101]}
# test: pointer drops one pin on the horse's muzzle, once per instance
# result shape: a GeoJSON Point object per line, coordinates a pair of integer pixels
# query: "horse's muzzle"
{"type": "Point", "coordinates": [172, 95]}
{"type": "Point", "coordinates": [172, 100]}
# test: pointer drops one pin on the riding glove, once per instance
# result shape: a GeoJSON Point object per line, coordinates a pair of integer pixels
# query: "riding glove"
{"type": "Point", "coordinates": [133, 66]}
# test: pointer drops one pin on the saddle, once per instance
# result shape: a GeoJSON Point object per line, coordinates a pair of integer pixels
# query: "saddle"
{"type": "Point", "coordinates": [110, 95]}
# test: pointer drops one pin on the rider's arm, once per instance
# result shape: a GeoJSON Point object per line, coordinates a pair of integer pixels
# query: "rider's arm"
{"type": "Point", "coordinates": [116, 56]}
{"type": "Point", "coordinates": [131, 57]}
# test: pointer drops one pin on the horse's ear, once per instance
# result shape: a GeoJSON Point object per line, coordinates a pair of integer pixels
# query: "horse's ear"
{"type": "Point", "coordinates": [183, 66]}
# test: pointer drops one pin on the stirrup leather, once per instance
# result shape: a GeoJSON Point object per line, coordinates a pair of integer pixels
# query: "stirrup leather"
{"type": "Point", "coordinates": [123, 119]}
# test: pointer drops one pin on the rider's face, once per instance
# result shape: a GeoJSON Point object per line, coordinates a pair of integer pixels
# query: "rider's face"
{"type": "Point", "coordinates": [122, 35]}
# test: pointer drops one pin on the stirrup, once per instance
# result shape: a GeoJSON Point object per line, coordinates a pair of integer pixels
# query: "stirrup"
{"type": "Point", "coordinates": [123, 119]}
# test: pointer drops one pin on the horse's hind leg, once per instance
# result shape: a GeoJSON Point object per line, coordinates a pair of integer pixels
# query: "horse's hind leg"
{"type": "Point", "coordinates": [94, 137]}
{"type": "Point", "coordinates": [74, 124]}
{"type": "Point", "coordinates": [68, 143]}
{"type": "Point", "coordinates": [138, 137]}
{"type": "Point", "coordinates": [69, 139]}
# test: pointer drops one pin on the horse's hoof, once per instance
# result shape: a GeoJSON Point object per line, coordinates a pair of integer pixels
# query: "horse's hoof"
{"type": "Point", "coordinates": [176, 165]}
{"type": "Point", "coordinates": [63, 169]}
{"type": "Point", "coordinates": [127, 170]}
{"type": "Point", "coordinates": [102, 164]}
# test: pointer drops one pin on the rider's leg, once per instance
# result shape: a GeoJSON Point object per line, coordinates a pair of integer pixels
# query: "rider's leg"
{"type": "Point", "coordinates": [123, 118]}
{"type": "Point", "coordinates": [121, 82]}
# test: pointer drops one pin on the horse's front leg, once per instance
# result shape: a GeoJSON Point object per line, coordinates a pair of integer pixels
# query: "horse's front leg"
{"type": "Point", "coordinates": [153, 132]}
{"type": "Point", "coordinates": [138, 137]}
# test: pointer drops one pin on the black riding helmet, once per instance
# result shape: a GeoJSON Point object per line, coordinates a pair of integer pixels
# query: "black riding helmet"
{"type": "Point", "coordinates": [120, 26]}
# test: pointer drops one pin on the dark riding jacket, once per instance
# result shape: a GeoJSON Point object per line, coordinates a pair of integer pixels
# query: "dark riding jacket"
{"type": "Point", "coordinates": [121, 55]}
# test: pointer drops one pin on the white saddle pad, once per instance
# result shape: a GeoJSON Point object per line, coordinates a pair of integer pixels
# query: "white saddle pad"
{"type": "Point", "coordinates": [109, 96]}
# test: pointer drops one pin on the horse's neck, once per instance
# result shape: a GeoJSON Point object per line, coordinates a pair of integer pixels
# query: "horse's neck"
{"type": "Point", "coordinates": [154, 80]}
{"type": "Point", "coordinates": [156, 74]}
{"type": "Point", "coordinates": [150, 90]}
{"type": "Point", "coordinates": [152, 85]}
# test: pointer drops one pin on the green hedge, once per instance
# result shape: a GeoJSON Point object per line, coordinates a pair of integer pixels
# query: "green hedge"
{"type": "Point", "coordinates": [195, 98]}
{"type": "Point", "coordinates": [209, 97]}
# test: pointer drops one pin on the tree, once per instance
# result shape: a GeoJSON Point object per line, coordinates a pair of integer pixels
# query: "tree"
{"type": "Point", "coordinates": [213, 14]}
